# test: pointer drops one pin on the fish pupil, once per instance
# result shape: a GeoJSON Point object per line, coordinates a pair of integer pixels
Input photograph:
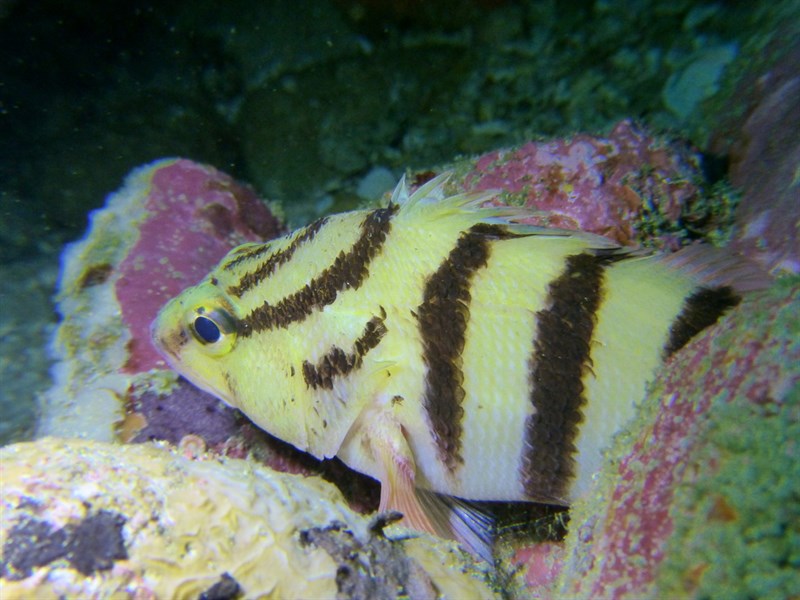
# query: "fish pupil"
{"type": "Point", "coordinates": [207, 331]}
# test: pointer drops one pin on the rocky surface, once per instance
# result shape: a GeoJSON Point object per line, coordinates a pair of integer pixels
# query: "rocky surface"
{"type": "Point", "coordinates": [630, 186]}
{"type": "Point", "coordinates": [170, 221]}
{"type": "Point", "coordinates": [760, 134]}
{"type": "Point", "coordinates": [87, 519]}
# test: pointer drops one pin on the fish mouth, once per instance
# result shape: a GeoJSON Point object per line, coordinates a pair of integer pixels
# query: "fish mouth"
{"type": "Point", "coordinates": [167, 343]}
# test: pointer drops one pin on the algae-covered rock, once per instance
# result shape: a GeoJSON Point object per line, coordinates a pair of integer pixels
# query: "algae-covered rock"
{"type": "Point", "coordinates": [169, 222]}
{"type": "Point", "coordinates": [630, 186]}
{"type": "Point", "coordinates": [88, 519]}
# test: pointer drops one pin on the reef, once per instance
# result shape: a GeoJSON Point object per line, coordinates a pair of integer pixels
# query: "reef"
{"type": "Point", "coordinates": [630, 186]}
{"type": "Point", "coordinates": [174, 219]}
{"type": "Point", "coordinates": [89, 519]}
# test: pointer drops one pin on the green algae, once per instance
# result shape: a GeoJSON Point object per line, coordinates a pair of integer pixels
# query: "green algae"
{"type": "Point", "coordinates": [737, 532]}
{"type": "Point", "coordinates": [737, 527]}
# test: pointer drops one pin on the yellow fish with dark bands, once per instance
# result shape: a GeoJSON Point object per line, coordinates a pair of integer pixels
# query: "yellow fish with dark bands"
{"type": "Point", "coordinates": [433, 344]}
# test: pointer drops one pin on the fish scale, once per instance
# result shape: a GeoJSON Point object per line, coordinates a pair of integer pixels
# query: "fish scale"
{"type": "Point", "coordinates": [439, 345]}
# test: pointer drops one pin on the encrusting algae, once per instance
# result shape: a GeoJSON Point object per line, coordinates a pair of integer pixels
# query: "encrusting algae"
{"type": "Point", "coordinates": [89, 519]}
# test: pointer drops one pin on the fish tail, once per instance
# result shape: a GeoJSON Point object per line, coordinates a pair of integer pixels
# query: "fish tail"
{"type": "Point", "coordinates": [718, 267]}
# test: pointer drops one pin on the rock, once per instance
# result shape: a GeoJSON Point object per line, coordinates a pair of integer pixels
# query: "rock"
{"type": "Point", "coordinates": [162, 231]}
{"type": "Point", "coordinates": [629, 186]}
{"type": "Point", "coordinates": [759, 130]}
{"type": "Point", "coordinates": [89, 519]}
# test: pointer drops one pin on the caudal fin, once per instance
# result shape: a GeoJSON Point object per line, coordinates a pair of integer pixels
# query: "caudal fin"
{"type": "Point", "coordinates": [718, 267]}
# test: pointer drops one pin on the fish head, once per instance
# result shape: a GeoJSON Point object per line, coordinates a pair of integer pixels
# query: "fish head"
{"type": "Point", "coordinates": [196, 333]}
{"type": "Point", "coordinates": [201, 333]}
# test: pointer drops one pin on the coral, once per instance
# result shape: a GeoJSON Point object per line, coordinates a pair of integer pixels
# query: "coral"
{"type": "Point", "coordinates": [88, 519]}
{"type": "Point", "coordinates": [629, 186]}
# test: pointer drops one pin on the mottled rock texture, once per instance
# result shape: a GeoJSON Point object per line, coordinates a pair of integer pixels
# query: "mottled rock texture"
{"type": "Point", "coordinates": [87, 519]}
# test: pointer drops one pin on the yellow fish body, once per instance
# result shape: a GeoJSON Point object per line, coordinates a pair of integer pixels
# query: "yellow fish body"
{"type": "Point", "coordinates": [434, 344]}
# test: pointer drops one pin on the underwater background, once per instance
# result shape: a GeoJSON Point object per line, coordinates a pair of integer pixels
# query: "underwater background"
{"type": "Point", "coordinates": [320, 107]}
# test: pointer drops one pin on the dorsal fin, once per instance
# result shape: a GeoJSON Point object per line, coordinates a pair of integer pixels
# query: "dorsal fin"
{"type": "Point", "coordinates": [432, 194]}
{"type": "Point", "coordinates": [433, 200]}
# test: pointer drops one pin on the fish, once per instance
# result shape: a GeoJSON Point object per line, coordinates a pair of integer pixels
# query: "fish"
{"type": "Point", "coordinates": [442, 347]}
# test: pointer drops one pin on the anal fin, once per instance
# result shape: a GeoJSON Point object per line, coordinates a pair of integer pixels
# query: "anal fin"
{"type": "Point", "coordinates": [444, 516]}
{"type": "Point", "coordinates": [461, 520]}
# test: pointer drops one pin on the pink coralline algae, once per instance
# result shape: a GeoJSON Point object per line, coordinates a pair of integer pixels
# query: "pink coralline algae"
{"type": "Point", "coordinates": [196, 214]}
{"type": "Point", "coordinates": [604, 185]}
{"type": "Point", "coordinates": [163, 230]}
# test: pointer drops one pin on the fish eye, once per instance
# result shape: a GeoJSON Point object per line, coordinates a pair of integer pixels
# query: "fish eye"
{"type": "Point", "coordinates": [206, 330]}
{"type": "Point", "coordinates": [210, 327]}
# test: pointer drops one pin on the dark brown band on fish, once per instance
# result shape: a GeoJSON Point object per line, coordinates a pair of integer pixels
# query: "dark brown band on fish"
{"type": "Point", "coordinates": [348, 271]}
{"type": "Point", "coordinates": [700, 310]}
{"type": "Point", "coordinates": [442, 320]}
{"type": "Point", "coordinates": [338, 363]}
{"type": "Point", "coordinates": [265, 269]}
{"type": "Point", "coordinates": [561, 357]}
